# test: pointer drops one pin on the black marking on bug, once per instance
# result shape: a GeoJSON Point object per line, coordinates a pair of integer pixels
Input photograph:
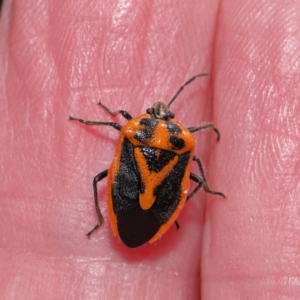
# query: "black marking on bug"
{"type": "Point", "coordinates": [177, 142]}
{"type": "Point", "coordinates": [137, 226]}
{"type": "Point", "coordinates": [149, 123]}
{"type": "Point", "coordinates": [156, 162]}
{"type": "Point", "coordinates": [127, 183]}
{"type": "Point", "coordinates": [146, 133]}
{"type": "Point", "coordinates": [168, 193]}
{"type": "Point", "coordinates": [173, 128]}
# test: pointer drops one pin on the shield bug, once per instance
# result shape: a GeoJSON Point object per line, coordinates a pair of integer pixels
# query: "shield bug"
{"type": "Point", "coordinates": [149, 178]}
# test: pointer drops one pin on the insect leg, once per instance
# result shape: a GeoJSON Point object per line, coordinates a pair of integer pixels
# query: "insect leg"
{"type": "Point", "coordinates": [206, 126]}
{"type": "Point", "coordinates": [124, 113]}
{"type": "Point", "coordinates": [198, 180]}
{"type": "Point", "coordinates": [97, 178]}
{"type": "Point", "coordinates": [204, 182]}
{"type": "Point", "coordinates": [177, 225]}
{"type": "Point", "coordinates": [92, 123]}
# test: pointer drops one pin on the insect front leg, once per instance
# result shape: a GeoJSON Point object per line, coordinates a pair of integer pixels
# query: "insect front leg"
{"type": "Point", "coordinates": [95, 123]}
{"type": "Point", "coordinates": [97, 178]}
{"type": "Point", "coordinates": [124, 113]}
{"type": "Point", "coordinates": [206, 126]}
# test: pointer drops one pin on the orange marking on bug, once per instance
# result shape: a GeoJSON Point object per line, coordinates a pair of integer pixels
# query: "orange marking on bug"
{"type": "Point", "coordinates": [160, 136]}
{"type": "Point", "coordinates": [185, 185]}
{"type": "Point", "coordinates": [150, 179]}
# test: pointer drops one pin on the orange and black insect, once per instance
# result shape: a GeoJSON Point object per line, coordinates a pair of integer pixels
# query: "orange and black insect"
{"type": "Point", "coordinates": [149, 179]}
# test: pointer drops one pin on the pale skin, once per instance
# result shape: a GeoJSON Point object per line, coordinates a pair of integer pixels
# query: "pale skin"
{"type": "Point", "coordinates": [61, 58]}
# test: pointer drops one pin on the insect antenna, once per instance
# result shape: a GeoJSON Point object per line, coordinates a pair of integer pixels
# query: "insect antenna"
{"type": "Point", "coordinates": [182, 87]}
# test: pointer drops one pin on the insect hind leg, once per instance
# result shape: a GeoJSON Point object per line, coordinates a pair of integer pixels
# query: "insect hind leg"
{"type": "Point", "coordinates": [95, 123]}
{"type": "Point", "coordinates": [97, 178]}
{"type": "Point", "coordinates": [201, 181]}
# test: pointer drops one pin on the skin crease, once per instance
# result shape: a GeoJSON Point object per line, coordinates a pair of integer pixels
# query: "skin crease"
{"type": "Point", "coordinates": [60, 58]}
